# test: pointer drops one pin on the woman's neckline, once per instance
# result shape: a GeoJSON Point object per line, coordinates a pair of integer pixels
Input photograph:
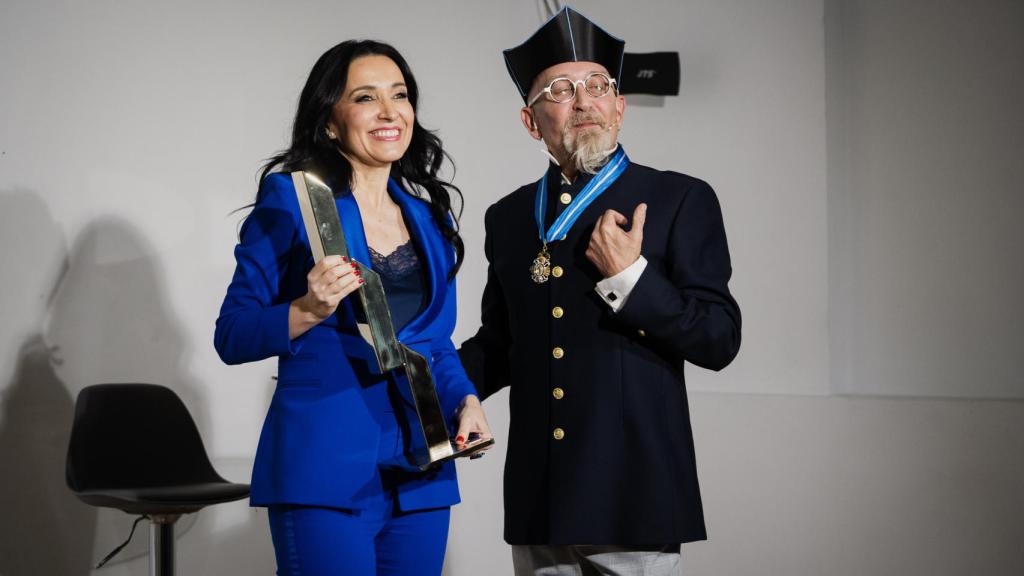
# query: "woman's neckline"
{"type": "Point", "coordinates": [393, 252]}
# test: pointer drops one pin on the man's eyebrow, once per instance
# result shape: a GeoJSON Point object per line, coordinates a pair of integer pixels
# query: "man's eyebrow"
{"type": "Point", "coordinates": [547, 79]}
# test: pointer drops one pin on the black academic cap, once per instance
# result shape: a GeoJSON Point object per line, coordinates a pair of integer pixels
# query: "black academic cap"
{"type": "Point", "coordinates": [567, 37]}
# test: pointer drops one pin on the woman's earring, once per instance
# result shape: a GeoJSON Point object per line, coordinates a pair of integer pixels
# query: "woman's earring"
{"type": "Point", "coordinates": [330, 133]}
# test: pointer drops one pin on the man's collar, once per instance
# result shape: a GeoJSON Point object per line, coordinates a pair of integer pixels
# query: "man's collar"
{"type": "Point", "coordinates": [555, 174]}
{"type": "Point", "coordinates": [556, 179]}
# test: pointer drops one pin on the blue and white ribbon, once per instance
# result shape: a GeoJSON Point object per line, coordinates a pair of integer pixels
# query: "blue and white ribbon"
{"type": "Point", "coordinates": [598, 184]}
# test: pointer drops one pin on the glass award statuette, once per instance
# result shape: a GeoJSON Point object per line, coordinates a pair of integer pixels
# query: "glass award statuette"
{"type": "Point", "coordinates": [430, 444]}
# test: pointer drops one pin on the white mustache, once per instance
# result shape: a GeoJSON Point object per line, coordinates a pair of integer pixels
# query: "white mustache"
{"type": "Point", "coordinates": [587, 118]}
{"type": "Point", "coordinates": [599, 121]}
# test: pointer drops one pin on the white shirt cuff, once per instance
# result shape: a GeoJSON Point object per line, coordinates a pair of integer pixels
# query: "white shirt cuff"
{"type": "Point", "coordinates": [615, 290]}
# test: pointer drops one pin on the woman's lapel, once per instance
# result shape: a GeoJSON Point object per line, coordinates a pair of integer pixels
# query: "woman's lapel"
{"type": "Point", "coordinates": [352, 226]}
{"type": "Point", "coordinates": [432, 247]}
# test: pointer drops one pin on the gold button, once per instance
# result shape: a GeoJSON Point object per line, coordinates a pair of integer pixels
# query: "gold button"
{"type": "Point", "coordinates": [556, 271]}
{"type": "Point", "coordinates": [565, 198]}
{"type": "Point", "coordinates": [558, 393]}
{"type": "Point", "coordinates": [557, 312]}
{"type": "Point", "coordinates": [557, 352]}
{"type": "Point", "coordinates": [558, 433]}
{"type": "Point", "coordinates": [641, 333]}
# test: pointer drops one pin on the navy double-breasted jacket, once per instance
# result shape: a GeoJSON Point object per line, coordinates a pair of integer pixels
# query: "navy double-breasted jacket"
{"type": "Point", "coordinates": [600, 449]}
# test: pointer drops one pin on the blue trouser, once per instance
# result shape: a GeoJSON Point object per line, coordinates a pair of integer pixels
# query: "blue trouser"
{"type": "Point", "coordinates": [374, 541]}
{"type": "Point", "coordinates": [381, 540]}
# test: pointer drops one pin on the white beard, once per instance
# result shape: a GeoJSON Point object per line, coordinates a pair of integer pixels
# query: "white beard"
{"type": "Point", "coordinates": [589, 148]}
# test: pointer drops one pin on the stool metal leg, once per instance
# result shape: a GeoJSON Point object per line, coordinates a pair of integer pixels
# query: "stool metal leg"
{"type": "Point", "coordinates": [161, 544]}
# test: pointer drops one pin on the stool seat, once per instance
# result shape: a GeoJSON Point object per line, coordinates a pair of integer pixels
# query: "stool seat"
{"type": "Point", "coordinates": [180, 499]}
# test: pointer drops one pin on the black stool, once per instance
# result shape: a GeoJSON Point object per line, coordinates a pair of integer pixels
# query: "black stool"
{"type": "Point", "coordinates": [135, 447]}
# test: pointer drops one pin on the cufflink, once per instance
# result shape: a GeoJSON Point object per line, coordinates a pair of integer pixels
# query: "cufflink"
{"type": "Point", "coordinates": [613, 296]}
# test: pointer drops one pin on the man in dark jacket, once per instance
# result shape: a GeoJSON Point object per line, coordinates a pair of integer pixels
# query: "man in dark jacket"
{"type": "Point", "coordinates": [589, 316]}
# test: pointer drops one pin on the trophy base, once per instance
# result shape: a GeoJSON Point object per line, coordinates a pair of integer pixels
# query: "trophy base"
{"type": "Point", "coordinates": [421, 461]}
{"type": "Point", "coordinates": [472, 449]}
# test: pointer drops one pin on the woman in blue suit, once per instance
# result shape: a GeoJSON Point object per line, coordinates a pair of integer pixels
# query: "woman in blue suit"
{"type": "Point", "coordinates": [333, 508]}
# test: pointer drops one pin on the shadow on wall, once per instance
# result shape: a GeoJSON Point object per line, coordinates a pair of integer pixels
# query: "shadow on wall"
{"type": "Point", "coordinates": [44, 529]}
{"type": "Point", "coordinates": [107, 319]}
{"type": "Point", "coordinates": [110, 319]}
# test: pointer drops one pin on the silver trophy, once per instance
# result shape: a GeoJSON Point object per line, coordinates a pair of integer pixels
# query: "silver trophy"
{"type": "Point", "coordinates": [430, 444]}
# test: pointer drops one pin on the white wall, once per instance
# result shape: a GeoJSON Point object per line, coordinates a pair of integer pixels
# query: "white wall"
{"type": "Point", "coordinates": [926, 134]}
{"type": "Point", "coordinates": [129, 131]}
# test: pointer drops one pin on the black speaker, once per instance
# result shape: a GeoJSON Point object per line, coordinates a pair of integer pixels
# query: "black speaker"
{"type": "Point", "coordinates": [654, 73]}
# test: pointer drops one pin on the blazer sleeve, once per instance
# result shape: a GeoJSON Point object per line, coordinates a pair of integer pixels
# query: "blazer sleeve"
{"type": "Point", "coordinates": [253, 320]}
{"type": "Point", "coordinates": [684, 305]}
{"type": "Point", "coordinates": [449, 376]}
{"type": "Point", "coordinates": [486, 354]}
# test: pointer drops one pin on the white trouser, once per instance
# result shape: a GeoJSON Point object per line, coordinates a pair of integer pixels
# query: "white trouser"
{"type": "Point", "coordinates": [596, 561]}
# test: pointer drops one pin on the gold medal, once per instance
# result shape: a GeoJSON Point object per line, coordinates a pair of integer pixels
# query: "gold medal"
{"type": "Point", "coordinates": [540, 270]}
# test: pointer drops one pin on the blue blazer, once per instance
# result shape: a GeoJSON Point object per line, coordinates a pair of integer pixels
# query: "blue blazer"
{"type": "Point", "coordinates": [320, 441]}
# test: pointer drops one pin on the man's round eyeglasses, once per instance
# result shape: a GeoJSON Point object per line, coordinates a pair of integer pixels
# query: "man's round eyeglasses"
{"type": "Point", "coordinates": [597, 84]}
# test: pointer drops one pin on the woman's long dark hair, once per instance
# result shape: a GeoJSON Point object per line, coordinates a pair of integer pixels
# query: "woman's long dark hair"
{"type": "Point", "coordinates": [312, 150]}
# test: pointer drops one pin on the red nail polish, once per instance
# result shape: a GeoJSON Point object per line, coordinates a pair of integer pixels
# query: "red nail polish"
{"type": "Point", "coordinates": [460, 439]}
{"type": "Point", "coordinates": [361, 281]}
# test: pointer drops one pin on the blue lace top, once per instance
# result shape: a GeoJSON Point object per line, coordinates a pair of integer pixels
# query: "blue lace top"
{"type": "Point", "coordinates": [403, 280]}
